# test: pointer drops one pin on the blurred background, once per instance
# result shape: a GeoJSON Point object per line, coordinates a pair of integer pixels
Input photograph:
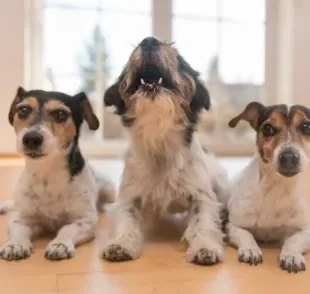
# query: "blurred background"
{"type": "Point", "coordinates": [245, 50]}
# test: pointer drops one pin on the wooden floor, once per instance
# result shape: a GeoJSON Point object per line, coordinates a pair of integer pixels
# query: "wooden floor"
{"type": "Point", "coordinates": [161, 268]}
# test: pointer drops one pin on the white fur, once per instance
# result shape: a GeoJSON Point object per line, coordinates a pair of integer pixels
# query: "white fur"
{"type": "Point", "coordinates": [186, 182]}
{"type": "Point", "coordinates": [48, 199]}
{"type": "Point", "coordinates": [265, 206]}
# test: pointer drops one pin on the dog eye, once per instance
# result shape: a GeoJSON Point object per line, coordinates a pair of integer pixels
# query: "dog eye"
{"type": "Point", "coordinates": [305, 128]}
{"type": "Point", "coordinates": [23, 112]}
{"type": "Point", "coordinates": [60, 115]}
{"type": "Point", "coordinates": [268, 130]}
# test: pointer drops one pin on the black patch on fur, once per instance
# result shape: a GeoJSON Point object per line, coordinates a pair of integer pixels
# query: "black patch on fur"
{"type": "Point", "coordinates": [199, 101]}
{"type": "Point", "coordinates": [265, 112]}
{"type": "Point", "coordinates": [76, 161]}
{"type": "Point", "coordinates": [224, 216]}
{"type": "Point", "coordinates": [138, 203]}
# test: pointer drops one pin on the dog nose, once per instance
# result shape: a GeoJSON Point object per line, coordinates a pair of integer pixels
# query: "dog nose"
{"type": "Point", "coordinates": [149, 42]}
{"type": "Point", "coordinates": [289, 160]}
{"type": "Point", "coordinates": [32, 140]}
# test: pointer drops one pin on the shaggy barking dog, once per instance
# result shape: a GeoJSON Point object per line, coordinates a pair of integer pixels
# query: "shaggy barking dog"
{"type": "Point", "coordinates": [270, 199]}
{"type": "Point", "coordinates": [159, 96]}
{"type": "Point", "coordinates": [57, 191]}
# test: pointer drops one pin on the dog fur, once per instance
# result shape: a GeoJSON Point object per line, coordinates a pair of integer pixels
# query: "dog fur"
{"type": "Point", "coordinates": [57, 190]}
{"type": "Point", "coordinates": [271, 202]}
{"type": "Point", "coordinates": [159, 97]}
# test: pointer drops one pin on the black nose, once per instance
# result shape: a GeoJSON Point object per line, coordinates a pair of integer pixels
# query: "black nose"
{"type": "Point", "coordinates": [289, 160]}
{"type": "Point", "coordinates": [32, 140]}
{"type": "Point", "coordinates": [149, 42]}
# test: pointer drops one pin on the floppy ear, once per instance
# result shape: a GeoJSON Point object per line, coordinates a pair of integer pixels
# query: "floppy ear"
{"type": "Point", "coordinates": [88, 113]}
{"type": "Point", "coordinates": [18, 98]}
{"type": "Point", "coordinates": [112, 97]}
{"type": "Point", "coordinates": [250, 114]}
{"type": "Point", "coordinates": [202, 96]}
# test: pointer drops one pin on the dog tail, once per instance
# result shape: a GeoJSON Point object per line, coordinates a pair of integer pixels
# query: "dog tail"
{"type": "Point", "coordinates": [6, 207]}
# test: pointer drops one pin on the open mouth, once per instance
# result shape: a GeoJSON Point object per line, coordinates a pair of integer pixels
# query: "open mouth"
{"type": "Point", "coordinates": [151, 79]}
{"type": "Point", "coordinates": [34, 155]}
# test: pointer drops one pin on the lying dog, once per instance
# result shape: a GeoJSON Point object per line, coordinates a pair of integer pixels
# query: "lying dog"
{"type": "Point", "coordinates": [57, 190]}
{"type": "Point", "coordinates": [271, 197]}
{"type": "Point", "coordinates": [159, 97]}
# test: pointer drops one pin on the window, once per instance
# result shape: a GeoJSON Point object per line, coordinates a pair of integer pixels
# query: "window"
{"type": "Point", "coordinates": [86, 43]}
{"type": "Point", "coordinates": [225, 41]}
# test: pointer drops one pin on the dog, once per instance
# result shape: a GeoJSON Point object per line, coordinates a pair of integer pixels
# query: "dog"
{"type": "Point", "coordinates": [158, 97]}
{"type": "Point", "coordinates": [270, 198]}
{"type": "Point", "coordinates": [57, 190]}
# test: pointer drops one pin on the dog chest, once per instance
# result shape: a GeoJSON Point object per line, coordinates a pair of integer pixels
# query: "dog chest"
{"type": "Point", "coordinates": [54, 196]}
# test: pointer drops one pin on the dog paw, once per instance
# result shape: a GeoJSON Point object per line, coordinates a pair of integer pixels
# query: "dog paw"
{"type": "Point", "coordinates": [204, 256]}
{"type": "Point", "coordinates": [59, 250]}
{"type": "Point", "coordinates": [292, 262]}
{"type": "Point", "coordinates": [115, 252]}
{"type": "Point", "coordinates": [16, 250]}
{"type": "Point", "coordinates": [252, 256]}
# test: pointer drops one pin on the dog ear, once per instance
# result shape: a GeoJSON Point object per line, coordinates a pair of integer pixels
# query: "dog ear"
{"type": "Point", "coordinates": [88, 113]}
{"type": "Point", "coordinates": [250, 114]}
{"type": "Point", "coordinates": [202, 95]}
{"type": "Point", "coordinates": [112, 97]}
{"type": "Point", "coordinates": [201, 98]}
{"type": "Point", "coordinates": [20, 93]}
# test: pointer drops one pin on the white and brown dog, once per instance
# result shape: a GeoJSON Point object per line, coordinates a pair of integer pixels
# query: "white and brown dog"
{"type": "Point", "coordinates": [270, 199]}
{"type": "Point", "coordinates": [57, 191]}
{"type": "Point", "coordinates": [159, 97]}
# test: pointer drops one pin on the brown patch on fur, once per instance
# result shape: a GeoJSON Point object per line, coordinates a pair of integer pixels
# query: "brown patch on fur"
{"type": "Point", "coordinates": [297, 117]}
{"type": "Point", "coordinates": [267, 145]}
{"type": "Point", "coordinates": [65, 131]}
{"type": "Point", "coordinates": [158, 127]}
{"type": "Point", "coordinates": [18, 123]}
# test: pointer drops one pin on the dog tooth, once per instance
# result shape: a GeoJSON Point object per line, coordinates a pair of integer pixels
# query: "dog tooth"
{"type": "Point", "coordinates": [142, 81]}
{"type": "Point", "coordinates": [160, 81]}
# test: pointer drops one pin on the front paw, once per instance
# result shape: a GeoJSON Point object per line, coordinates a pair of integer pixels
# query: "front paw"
{"type": "Point", "coordinates": [116, 252]}
{"type": "Point", "coordinates": [204, 256]}
{"type": "Point", "coordinates": [252, 256]}
{"type": "Point", "coordinates": [16, 250]}
{"type": "Point", "coordinates": [295, 262]}
{"type": "Point", "coordinates": [58, 250]}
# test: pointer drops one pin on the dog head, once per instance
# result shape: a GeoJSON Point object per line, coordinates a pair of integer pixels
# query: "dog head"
{"type": "Point", "coordinates": [47, 123]}
{"type": "Point", "coordinates": [158, 82]}
{"type": "Point", "coordinates": [283, 135]}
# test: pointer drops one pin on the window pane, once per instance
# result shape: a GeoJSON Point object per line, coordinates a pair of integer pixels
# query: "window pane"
{"type": "Point", "coordinates": [198, 48]}
{"type": "Point", "coordinates": [243, 10]}
{"type": "Point", "coordinates": [195, 7]}
{"type": "Point", "coordinates": [65, 34]}
{"type": "Point", "coordinates": [231, 59]}
{"type": "Point", "coordinates": [242, 53]}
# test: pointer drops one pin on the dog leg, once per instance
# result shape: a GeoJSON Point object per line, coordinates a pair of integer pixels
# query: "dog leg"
{"type": "Point", "coordinates": [78, 232]}
{"type": "Point", "coordinates": [248, 250]}
{"type": "Point", "coordinates": [291, 256]}
{"type": "Point", "coordinates": [203, 234]}
{"type": "Point", "coordinates": [127, 240]}
{"type": "Point", "coordinates": [19, 245]}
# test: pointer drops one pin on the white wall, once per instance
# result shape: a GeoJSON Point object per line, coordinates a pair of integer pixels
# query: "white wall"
{"type": "Point", "coordinates": [11, 64]}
